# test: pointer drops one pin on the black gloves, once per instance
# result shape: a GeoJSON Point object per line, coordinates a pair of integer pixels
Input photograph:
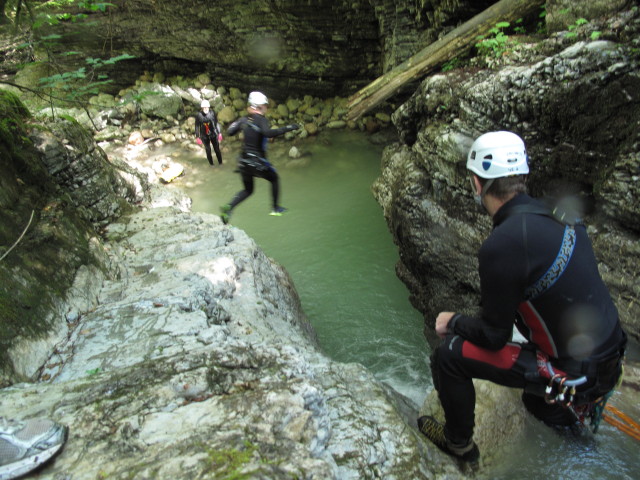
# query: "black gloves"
{"type": "Point", "coordinates": [292, 127]}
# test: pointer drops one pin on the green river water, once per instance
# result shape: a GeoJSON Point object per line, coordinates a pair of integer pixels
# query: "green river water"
{"type": "Point", "coordinates": [335, 244]}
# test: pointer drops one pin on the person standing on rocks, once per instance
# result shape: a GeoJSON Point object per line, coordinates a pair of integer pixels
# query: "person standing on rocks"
{"type": "Point", "coordinates": [208, 131]}
{"type": "Point", "coordinates": [253, 159]}
{"type": "Point", "coordinates": [538, 271]}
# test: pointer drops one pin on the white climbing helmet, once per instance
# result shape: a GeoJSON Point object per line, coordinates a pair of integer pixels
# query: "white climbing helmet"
{"type": "Point", "coordinates": [498, 154]}
{"type": "Point", "coordinates": [257, 99]}
{"type": "Point", "coordinates": [205, 104]}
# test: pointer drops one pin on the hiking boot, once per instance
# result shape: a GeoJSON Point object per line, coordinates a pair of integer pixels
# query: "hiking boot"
{"type": "Point", "coordinates": [25, 446]}
{"type": "Point", "coordinates": [434, 431]}
{"type": "Point", "coordinates": [278, 211]}
{"type": "Point", "coordinates": [225, 213]}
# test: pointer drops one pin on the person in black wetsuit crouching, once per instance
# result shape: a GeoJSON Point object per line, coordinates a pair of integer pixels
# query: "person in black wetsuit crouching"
{"type": "Point", "coordinates": [253, 160]}
{"type": "Point", "coordinates": [208, 131]}
{"type": "Point", "coordinates": [540, 273]}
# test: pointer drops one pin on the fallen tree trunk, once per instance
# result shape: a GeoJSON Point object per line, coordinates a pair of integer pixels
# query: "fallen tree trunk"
{"type": "Point", "coordinates": [453, 44]}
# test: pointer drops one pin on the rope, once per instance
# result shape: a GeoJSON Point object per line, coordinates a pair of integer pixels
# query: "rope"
{"type": "Point", "coordinates": [631, 427]}
{"type": "Point", "coordinates": [19, 238]}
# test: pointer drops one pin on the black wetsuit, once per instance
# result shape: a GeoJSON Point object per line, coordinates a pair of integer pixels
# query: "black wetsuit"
{"type": "Point", "coordinates": [572, 320]}
{"type": "Point", "coordinates": [207, 130]}
{"type": "Point", "coordinates": [253, 161]}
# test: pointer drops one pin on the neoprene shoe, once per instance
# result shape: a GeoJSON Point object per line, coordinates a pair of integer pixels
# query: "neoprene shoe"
{"type": "Point", "coordinates": [225, 213]}
{"type": "Point", "coordinates": [278, 211]}
{"type": "Point", "coordinates": [434, 431]}
{"type": "Point", "coordinates": [26, 445]}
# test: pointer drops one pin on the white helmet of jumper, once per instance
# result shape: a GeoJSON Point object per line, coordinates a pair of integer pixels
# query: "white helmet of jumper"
{"type": "Point", "coordinates": [257, 98]}
{"type": "Point", "coordinates": [498, 154]}
{"type": "Point", "coordinates": [205, 104]}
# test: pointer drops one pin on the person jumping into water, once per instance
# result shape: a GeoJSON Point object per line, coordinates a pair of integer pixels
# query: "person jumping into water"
{"type": "Point", "coordinates": [253, 162]}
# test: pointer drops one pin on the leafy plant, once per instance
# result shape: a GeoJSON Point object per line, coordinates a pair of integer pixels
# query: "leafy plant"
{"type": "Point", "coordinates": [84, 80]}
{"type": "Point", "coordinates": [542, 25]}
{"type": "Point", "coordinates": [45, 12]}
{"type": "Point", "coordinates": [519, 28]}
{"type": "Point", "coordinates": [65, 86]}
{"type": "Point", "coordinates": [495, 42]}
{"type": "Point", "coordinates": [572, 28]}
{"type": "Point", "coordinates": [451, 64]}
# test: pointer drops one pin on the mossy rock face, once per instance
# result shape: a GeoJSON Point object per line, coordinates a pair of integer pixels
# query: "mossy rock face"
{"type": "Point", "coordinates": [10, 105]}
{"type": "Point", "coordinates": [43, 238]}
{"type": "Point", "coordinates": [12, 129]}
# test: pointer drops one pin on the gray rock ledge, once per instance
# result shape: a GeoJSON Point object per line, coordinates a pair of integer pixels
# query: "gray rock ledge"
{"type": "Point", "coordinates": [193, 359]}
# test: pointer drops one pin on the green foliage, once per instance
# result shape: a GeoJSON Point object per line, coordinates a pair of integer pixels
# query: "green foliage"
{"type": "Point", "coordinates": [84, 81]}
{"type": "Point", "coordinates": [67, 86]}
{"type": "Point", "coordinates": [46, 13]}
{"type": "Point", "coordinates": [495, 42]}
{"type": "Point", "coordinates": [95, 6]}
{"type": "Point", "coordinates": [68, 118]}
{"type": "Point", "coordinates": [451, 64]}
{"type": "Point", "coordinates": [578, 23]}
{"type": "Point", "coordinates": [572, 28]}
{"type": "Point", "coordinates": [542, 24]}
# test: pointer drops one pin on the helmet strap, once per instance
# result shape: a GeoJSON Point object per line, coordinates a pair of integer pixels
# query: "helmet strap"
{"type": "Point", "coordinates": [486, 186]}
{"type": "Point", "coordinates": [478, 197]}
